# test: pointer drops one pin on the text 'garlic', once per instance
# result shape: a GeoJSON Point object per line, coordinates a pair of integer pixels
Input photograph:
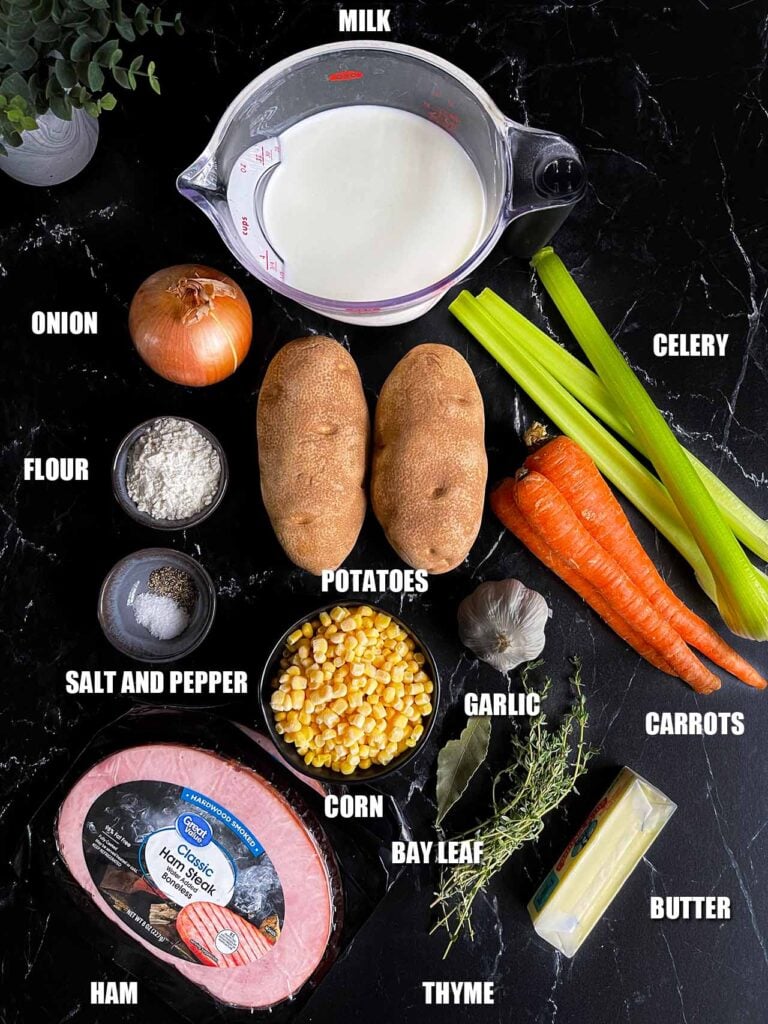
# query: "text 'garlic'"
{"type": "Point", "coordinates": [503, 623]}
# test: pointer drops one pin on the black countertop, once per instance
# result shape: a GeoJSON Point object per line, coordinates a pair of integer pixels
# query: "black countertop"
{"type": "Point", "coordinates": [667, 105]}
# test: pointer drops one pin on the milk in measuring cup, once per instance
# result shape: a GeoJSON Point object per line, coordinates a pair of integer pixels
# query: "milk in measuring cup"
{"type": "Point", "coordinates": [370, 203]}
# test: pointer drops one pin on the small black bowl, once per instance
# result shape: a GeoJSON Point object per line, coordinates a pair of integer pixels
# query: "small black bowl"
{"type": "Point", "coordinates": [288, 750]}
{"type": "Point", "coordinates": [120, 472]}
{"type": "Point", "coordinates": [129, 577]}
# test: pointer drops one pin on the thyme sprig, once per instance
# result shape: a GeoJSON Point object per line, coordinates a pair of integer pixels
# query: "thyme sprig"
{"type": "Point", "coordinates": [544, 768]}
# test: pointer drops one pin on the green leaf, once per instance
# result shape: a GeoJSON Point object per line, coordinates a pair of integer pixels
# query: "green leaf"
{"type": "Point", "coordinates": [14, 85]}
{"type": "Point", "coordinates": [141, 19]}
{"type": "Point", "coordinates": [108, 101]}
{"type": "Point", "coordinates": [120, 75]}
{"type": "Point", "coordinates": [80, 49]}
{"type": "Point", "coordinates": [65, 73]}
{"type": "Point", "coordinates": [14, 116]}
{"type": "Point", "coordinates": [98, 30]}
{"type": "Point", "coordinates": [136, 63]}
{"type": "Point", "coordinates": [91, 108]}
{"type": "Point", "coordinates": [43, 10]}
{"type": "Point", "coordinates": [18, 103]}
{"type": "Point", "coordinates": [23, 58]}
{"type": "Point", "coordinates": [104, 54]}
{"type": "Point", "coordinates": [3, 102]}
{"type": "Point", "coordinates": [28, 124]}
{"type": "Point", "coordinates": [21, 33]}
{"type": "Point", "coordinates": [99, 5]}
{"type": "Point", "coordinates": [178, 25]}
{"type": "Point", "coordinates": [47, 32]}
{"type": "Point", "coordinates": [458, 761]}
{"type": "Point", "coordinates": [61, 107]}
{"type": "Point", "coordinates": [95, 77]}
{"type": "Point", "coordinates": [125, 29]}
{"type": "Point", "coordinates": [155, 85]}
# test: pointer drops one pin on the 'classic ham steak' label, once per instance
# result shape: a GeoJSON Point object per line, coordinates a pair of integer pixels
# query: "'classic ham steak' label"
{"type": "Point", "coordinates": [184, 872]}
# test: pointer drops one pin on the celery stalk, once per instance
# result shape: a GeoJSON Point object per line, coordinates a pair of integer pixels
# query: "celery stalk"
{"type": "Point", "coordinates": [585, 385]}
{"type": "Point", "coordinates": [742, 596]}
{"type": "Point", "coordinates": [628, 474]}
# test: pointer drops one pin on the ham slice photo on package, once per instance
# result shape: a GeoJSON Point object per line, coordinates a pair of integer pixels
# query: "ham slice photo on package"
{"type": "Point", "coordinates": [208, 868]}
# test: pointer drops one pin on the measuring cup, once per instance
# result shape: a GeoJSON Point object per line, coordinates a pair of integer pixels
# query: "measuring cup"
{"type": "Point", "coordinates": [532, 178]}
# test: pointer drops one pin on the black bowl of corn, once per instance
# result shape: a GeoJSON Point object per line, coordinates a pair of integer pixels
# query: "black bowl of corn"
{"type": "Point", "coordinates": [349, 694]}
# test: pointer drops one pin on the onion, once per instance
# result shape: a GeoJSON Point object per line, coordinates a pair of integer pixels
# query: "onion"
{"type": "Point", "coordinates": [191, 324]}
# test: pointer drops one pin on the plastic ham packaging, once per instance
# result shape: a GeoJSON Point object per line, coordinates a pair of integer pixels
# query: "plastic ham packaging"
{"type": "Point", "coordinates": [200, 865]}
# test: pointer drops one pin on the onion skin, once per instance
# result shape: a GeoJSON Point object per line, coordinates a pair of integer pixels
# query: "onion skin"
{"type": "Point", "coordinates": [191, 324]}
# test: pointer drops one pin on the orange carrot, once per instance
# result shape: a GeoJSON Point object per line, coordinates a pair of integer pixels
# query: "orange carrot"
{"type": "Point", "coordinates": [503, 504]}
{"type": "Point", "coordinates": [550, 515]}
{"type": "Point", "coordinates": [578, 479]}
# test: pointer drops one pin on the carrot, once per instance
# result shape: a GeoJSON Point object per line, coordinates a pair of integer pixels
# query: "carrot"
{"type": "Point", "coordinates": [503, 504]}
{"type": "Point", "coordinates": [574, 474]}
{"type": "Point", "coordinates": [552, 518]}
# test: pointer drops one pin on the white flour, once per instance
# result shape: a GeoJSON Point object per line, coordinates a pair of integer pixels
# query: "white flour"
{"type": "Point", "coordinates": [173, 471]}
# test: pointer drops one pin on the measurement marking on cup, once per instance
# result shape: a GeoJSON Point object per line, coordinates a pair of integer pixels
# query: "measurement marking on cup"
{"type": "Point", "coordinates": [248, 171]}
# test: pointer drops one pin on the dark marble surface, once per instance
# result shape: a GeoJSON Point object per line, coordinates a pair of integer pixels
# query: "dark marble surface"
{"type": "Point", "coordinates": [667, 105]}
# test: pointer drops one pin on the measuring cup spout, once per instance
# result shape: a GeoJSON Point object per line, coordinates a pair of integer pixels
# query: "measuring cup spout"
{"type": "Point", "coordinates": [548, 179]}
{"type": "Point", "coordinates": [200, 183]}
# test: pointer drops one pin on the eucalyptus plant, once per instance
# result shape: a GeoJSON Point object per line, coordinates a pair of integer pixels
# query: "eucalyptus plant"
{"type": "Point", "coordinates": [63, 55]}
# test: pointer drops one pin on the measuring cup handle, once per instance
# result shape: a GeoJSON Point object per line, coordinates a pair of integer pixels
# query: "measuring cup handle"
{"type": "Point", "coordinates": [548, 179]}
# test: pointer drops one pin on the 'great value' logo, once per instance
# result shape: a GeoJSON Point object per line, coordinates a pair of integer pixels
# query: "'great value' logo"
{"type": "Point", "coordinates": [194, 828]}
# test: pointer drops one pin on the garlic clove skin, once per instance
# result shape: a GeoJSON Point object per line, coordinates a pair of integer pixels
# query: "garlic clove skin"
{"type": "Point", "coordinates": [503, 623]}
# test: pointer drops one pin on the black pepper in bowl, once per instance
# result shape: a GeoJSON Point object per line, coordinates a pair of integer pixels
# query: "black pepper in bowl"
{"type": "Point", "coordinates": [168, 581]}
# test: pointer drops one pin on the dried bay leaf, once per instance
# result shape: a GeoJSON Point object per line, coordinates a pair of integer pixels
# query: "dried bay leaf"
{"type": "Point", "coordinates": [458, 761]}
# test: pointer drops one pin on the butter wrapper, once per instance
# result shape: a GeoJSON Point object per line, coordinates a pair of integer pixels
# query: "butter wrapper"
{"type": "Point", "coordinates": [598, 861]}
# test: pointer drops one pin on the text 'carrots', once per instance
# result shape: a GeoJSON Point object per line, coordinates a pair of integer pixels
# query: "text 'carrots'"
{"type": "Point", "coordinates": [560, 507]}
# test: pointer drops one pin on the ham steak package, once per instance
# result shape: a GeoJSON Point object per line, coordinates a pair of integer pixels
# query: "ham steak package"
{"type": "Point", "coordinates": [197, 862]}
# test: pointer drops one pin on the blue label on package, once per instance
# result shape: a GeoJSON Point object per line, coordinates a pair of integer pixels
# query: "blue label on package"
{"type": "Point", "coordinates": [191, 796]}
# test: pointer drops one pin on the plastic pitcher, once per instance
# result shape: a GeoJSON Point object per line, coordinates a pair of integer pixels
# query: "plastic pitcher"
{"type": "Point", "coordinates": [532, 178]}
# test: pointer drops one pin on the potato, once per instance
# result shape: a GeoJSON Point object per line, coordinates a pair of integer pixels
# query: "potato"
{"type": "Point", "coordinates": [313, 430]}
{"type": "Point", "coordinates": [429, 462]}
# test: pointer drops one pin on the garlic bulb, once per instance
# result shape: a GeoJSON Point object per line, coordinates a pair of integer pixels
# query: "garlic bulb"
{"type": "Point", "coordinates": [503, 623]}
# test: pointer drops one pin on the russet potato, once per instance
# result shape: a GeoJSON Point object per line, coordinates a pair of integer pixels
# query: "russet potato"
{"type": "Point", "coordinates": [313, 431]}
{"type": "Point", "coordinates": [429, 463]}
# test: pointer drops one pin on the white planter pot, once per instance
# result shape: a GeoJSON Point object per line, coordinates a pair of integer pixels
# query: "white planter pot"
{"type": "Point", "coordinates": [55, 152]}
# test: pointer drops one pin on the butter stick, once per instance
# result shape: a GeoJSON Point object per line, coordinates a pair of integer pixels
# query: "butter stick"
{"type": "Point", "coordinates": [598, 861]}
